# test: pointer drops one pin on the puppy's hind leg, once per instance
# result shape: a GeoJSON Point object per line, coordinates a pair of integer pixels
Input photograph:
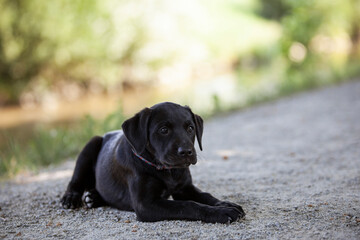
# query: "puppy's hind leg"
{"type": "Point", "coordinates": [92, 199]}
{"type": "Point", "coordinates": [84, 174]}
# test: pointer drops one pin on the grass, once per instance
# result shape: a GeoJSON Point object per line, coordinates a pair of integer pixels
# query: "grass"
{"type": "Point", "coordinates": [52, 145]}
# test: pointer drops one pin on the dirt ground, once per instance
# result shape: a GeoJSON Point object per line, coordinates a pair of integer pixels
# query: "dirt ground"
{"type": "Point", "coordinates": [293, 164]}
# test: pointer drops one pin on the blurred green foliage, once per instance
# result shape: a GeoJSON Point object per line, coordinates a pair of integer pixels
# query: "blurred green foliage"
{"type": "Point", "coordinates": [319, 44]}
{"type": "Point", "coordinates": [99, 45]}
{"type": "Point", "coordinates": [46, 44]}
{"type": "Point", "coordinates": [42, 40]}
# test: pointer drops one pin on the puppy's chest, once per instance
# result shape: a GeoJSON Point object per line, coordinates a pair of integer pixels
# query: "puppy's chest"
{"type": "Point", "coordinates": [173, 183]}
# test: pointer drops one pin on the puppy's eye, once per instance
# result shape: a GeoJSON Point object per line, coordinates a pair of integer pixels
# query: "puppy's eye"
{"type": "Point", "coordinates": [164, 130]}
{"type": "Point", "coordinates": [190, 129]}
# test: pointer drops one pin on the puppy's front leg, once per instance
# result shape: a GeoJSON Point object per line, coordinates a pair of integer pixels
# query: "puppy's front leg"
{"type": "Point", "coordinates": [162, 209]}
{"type": "Point", "coordinates": [190, 192]}
{"type": "Point", "coordinates": [150, 207]}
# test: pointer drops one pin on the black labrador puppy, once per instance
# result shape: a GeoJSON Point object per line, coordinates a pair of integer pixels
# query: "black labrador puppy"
{"type": "Point", "coordinates": [139, 168]}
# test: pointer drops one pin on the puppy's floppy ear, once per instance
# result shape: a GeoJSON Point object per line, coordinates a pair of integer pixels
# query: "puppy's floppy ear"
{"type": "Point", "coordinates": [199, 127]}
{"type": "Point", "coordinates": [136, 130]}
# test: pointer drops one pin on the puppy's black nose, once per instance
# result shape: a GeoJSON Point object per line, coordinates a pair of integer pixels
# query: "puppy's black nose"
{"type": "Point", "coordinates": [185, 152]}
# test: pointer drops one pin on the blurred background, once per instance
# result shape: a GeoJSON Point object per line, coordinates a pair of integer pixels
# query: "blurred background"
{"type": "Point", "coordinates": [73, 69]}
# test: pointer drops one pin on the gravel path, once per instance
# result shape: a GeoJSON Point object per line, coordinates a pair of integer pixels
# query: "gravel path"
{"type": "Point", "coordinates": [293, 164]}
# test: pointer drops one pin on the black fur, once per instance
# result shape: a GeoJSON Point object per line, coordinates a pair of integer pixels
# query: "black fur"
{"type": "Point", "coordinates": [164, 135]}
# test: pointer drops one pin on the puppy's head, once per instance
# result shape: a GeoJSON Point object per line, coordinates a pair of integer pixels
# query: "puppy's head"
{"type": "Point", "coordinates": [167, 131]}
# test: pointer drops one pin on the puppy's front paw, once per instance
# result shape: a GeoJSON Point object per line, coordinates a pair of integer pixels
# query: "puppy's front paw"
{"type": "Point", "coordinates": [232, 205]}
{"type": "Point", "coordinates": [222, 215]}
{"type": "Point", "coordinates": [71, 200]}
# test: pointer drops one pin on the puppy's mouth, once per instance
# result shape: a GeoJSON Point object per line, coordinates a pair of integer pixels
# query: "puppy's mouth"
{"type": "Point", "coordinates": [171, 162]}
{"type": "Point", "coordinates": [185, 165]}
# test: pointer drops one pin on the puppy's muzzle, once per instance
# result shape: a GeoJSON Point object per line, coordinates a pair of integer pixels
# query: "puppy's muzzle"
{"type": "Point", "coordinates": [185, 152]}
{"type": "Point", "coordinates": [187, 155]}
